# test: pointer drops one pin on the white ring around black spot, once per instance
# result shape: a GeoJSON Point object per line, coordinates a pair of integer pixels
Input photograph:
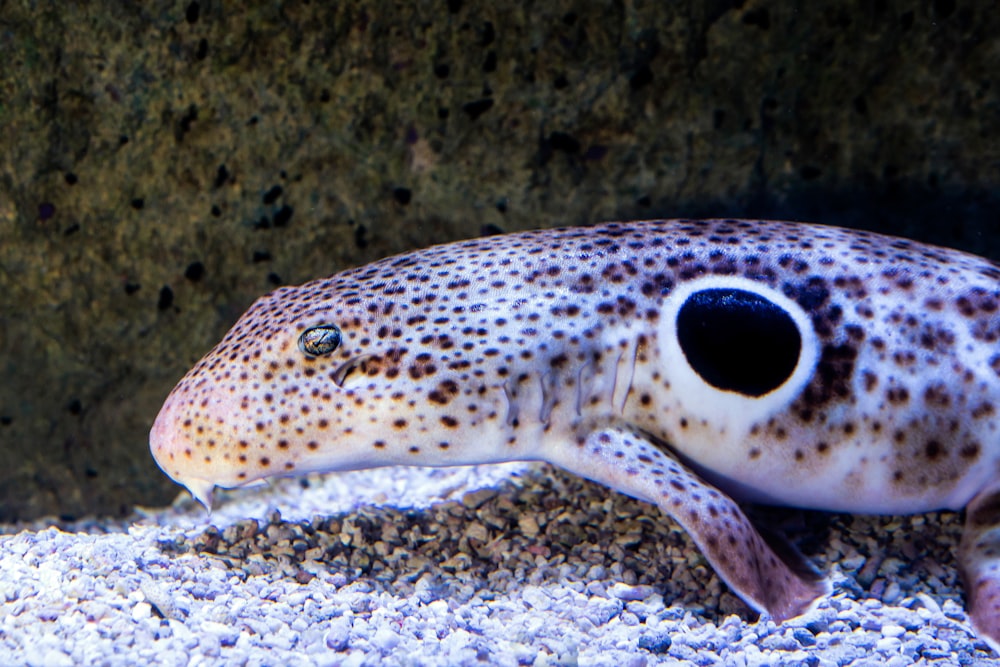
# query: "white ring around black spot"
{"type": "Point", "coordinates": [731, 399]}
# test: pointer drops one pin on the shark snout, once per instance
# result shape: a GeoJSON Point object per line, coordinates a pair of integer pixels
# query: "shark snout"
{"type": "Point", "coordinates": [176, 455]}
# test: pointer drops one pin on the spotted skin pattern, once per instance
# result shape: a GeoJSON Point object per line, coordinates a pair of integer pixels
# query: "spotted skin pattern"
{"type": "Point", "coordinates": [564, 346]}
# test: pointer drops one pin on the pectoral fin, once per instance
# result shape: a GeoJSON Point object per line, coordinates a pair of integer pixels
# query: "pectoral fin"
{"type": "Point", "coordinates": [979, 563]}
{"type": "Point", "coordinates": [627, 461]}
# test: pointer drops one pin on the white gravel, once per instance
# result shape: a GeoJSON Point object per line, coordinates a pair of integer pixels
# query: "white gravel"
{"type": "Point", "coordinates": [502, 565]}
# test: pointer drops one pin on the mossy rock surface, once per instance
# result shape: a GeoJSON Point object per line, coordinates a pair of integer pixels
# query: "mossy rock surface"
{"type": "Point", "coordinates": [163, 166]}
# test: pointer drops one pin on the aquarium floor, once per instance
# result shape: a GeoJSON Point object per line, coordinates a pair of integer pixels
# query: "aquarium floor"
{"type": "Point", "coordinates": [502, 565]}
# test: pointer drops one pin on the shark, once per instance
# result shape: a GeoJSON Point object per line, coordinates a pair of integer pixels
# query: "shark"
{"type": "Point", "coordinates": [693, 364]}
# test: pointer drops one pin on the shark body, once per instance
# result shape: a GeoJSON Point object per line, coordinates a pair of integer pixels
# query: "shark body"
{"type": "Point", "coordinates": [691, 364]}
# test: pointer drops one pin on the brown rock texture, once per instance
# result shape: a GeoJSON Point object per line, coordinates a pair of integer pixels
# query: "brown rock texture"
{"type": "Point", "coordinates": [163, 165]}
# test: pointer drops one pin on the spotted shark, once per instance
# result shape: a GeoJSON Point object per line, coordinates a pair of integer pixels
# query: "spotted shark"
{"type": "Point", "coordinates": [691, 364]}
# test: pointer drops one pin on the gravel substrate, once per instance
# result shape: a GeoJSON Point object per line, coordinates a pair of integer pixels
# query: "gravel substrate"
{"type": "Point", "coordinates": [501, 565]}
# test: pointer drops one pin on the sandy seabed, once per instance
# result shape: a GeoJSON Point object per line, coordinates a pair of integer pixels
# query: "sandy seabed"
{"type": "Point", "coordinates": [495, 565]}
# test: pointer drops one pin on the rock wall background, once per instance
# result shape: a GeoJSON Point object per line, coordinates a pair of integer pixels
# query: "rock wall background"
{"type": "Point", "coordinates": [161, 166]}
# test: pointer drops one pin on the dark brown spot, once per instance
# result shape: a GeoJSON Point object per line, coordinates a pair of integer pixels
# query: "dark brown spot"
{"type": "Point", "coordinates": [970, 451]}
{"type": "Point", "coordinates": [933, 450]}
{"type": "Point", "coordinates": [984, 409]}
{"type": "Point", "coordinates": [444, 392]}
{"type": "Point", "coordinates": [897, 395]}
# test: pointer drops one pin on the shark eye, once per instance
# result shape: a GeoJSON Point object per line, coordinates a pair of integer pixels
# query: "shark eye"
{"type": "Point", "coordinates": [320, 341]}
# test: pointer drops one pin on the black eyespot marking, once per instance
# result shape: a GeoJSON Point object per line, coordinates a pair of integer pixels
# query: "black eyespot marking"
{"type": "Point", "coordinates": [738, 341]}
{"type": "Point", "coordinates": [320, 341]}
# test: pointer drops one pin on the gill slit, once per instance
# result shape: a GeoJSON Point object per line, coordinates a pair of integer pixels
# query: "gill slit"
{"type": "Point", "coordinates": [548, 382]}
{"type": "Point", "coordinates": [513, 407]}
{"type": "Point", "coordinates": [623, 377]}
{"type": "Point", "coordinates": [580, 385]}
